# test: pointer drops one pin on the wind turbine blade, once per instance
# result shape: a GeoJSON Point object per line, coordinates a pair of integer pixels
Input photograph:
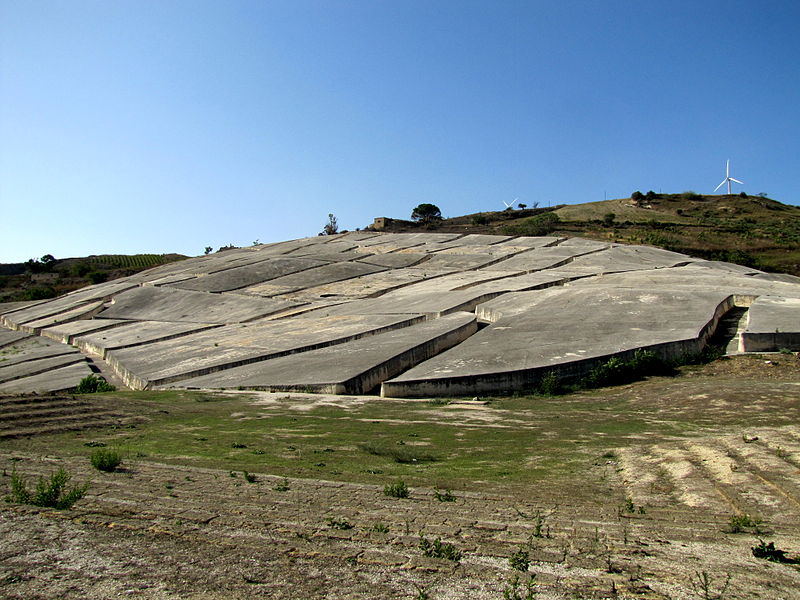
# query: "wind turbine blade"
{"type": "Point", "coordinates": [727, 168]}
{"type": "Point", "coordinates": [724, 181]}
{"type": "Point", "coordinates": [736, 180]}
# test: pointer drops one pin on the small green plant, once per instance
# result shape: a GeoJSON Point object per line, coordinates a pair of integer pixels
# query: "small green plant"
{"type": "Point", "coordinates": [380, 528]}
{"type": "Point", "coordinates": [702, 584]}
{"type": "Point", "coordinates": [105, 460]}
{"type": "Point", "coordinates": [49, 493]}
{"type": "Point", "coordinates": [512, 591]}
{"type": "Point", "coordinates": [629, 507]}
{"type": "Point", "coordinates": [520, 560]}
{"type": "Point", "coordinates": [446, 496]}
{"type": "Point", "coordinates": [539, 528]}
{"type": "Point", "coordinates": [422, 593]}
{"type": "Point", "coordinates": [396, 490]}
{"type": "Point", "coordinates": [339, 523]}
{"type": "Point", "coordinates": [238, 445]}
{"type": "Point", "coordinates": [249, 477]}
{"type": "Point", "coordinates": [91, 384]}
{"type": "Point", "coordinates": [283, 486]}
{"type": "Point", "coordinates": [769, 552]}
{"type": "Point", "coordinates": [744, 522]}
{"type": "Point", "coordinates": [549, 384]}
{"type": "Point", "coordinates": [439, 549]}
{"type": "Point", "coordinates": [400, 452]}
{"type": "Point", "coordinates": [786, 351]}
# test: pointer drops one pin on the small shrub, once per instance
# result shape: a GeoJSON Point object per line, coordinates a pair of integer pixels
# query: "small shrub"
{"type": "Point", "coordinates": [439, 549]}
{"type": "Point", "coordinates": [786, 351]}
{"type": "Point", "coordinates": [380, 528]}
{"type": "Point", "coordinates": [743, 522]}
{"type": "Point", "coordinates": [283, 486]}
{"type": "Point", "coordinates": [105, 460]}
{"type": "Point", "coordinates": [513, 592]}
{"type": "Point", "coordinates": [549, 384]}
{"type": "Point", "coordinates": [702, 584]}
{"type": "Point", "coordinates": [520, 560]}
{"type": "Point", "coordinates": [771, 553]}
{"type": "Point", "coordinates": [608, 219]}
{"type": "Point", "coordinates": [396, 490]}
{"type": "Point", "coordinates": [50, 493]}
{"type": "Point", "coordinates": [91, 384]}
{"type": "Point", "coordinates": [238, 445]}
{"type": "Point", "coordinates": [446, 496]}
{"type": "Point", "coordinates": [340, 524]}
{"type": "Point", "coordinates": [249, 477]}
{"type": "Point", "coordinates": [479, 220]}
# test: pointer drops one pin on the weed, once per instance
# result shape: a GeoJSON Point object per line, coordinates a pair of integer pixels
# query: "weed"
{"type": "Point", "coordinates": [512, 591]}
{"type": "Point", "coordinates": [380, 528]}
{"type": "Point", "coordinates": [549, 384]}
{"type": "Point", "coordinates": [438, 402]}
{"type": "Point", "coordinates": [283, 486]}
{"type": "Point", "coordinates": [249, 477]}
{"type": "Point", "coordinates": [702, 585]}
{"type": "Point", "coordinates": [92, 384]}
{"type": "Point", "coordinates": [520, 560]}
{"type": "Point", "coordinates": [446, 496]}
{"type": "Point", "coordinates": [339, 523]}
{"type": "Point", "coordinates": [539, 529]}
{"type": "Point", "coordinates": [238, 445]}
{"type": "Point", "coordinates": [50, 493]}
{"type": "Point", "coordinates": [400, 453]}
{"type": "Point", "coordinates": [233, 474]}
{"type": "Point", "coordinates": [629, 507]}
{"type": "Point", "coordinates": [94, 444]}
{"type": "Point", "coordinates": [396, 490]}
{"type": "Point", "coordinates": [786, 351]}
{"type": "Point", "coordinates": [771, 553]}
{"type": "Point", "coordinates": [742, 523]}
{"type": "Point", "coordinates": [105, 460]}
{"type": "Point", "coordinates": [439, 549]}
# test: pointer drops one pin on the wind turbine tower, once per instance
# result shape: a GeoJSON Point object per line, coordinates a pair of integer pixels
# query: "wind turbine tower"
{"type": "Point", "coordinates": [728, 178]}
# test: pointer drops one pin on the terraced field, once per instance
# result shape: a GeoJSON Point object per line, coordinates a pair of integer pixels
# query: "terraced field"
{"type": "Point", "coordinates": [629, 492]}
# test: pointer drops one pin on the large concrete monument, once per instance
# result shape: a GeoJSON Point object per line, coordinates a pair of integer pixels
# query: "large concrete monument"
{"type": "Point", "coordinates": [424, 314]}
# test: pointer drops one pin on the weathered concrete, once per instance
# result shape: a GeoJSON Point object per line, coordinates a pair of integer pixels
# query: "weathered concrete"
{"type": "Point", "coordinates": [234, 345]}
{"type": "Point", "coordinates": [769, 327]}
{"type": "Point", "coordinates": [135, 333]}
{"type": "Point", "coordinates": [56, 380]}
{"type": "Point", "coordinates": [67, 332]}
{"type": "Point", "coordinates": [289, 314]}
{"type": "Point", "coordinates": [354, 367]}
{"type": "Point", "coordinates": [569, 332]}
{"type": "Point", "coordinates": [178, 305]}
{"type": "Point", "coordinates": [239, 277]}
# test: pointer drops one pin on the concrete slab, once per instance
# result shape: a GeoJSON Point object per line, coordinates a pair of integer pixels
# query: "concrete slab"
{"type": "Point", "coordinates": [354, 367]}
{"type": "Point", "coordinates": [186, 306]}
{"type": "Point", "coordinates": [240, 277]}
{"type": "Point", "coordinates": [137, 333]}
{"type": "Point", "coordinates": [321, 296]}
{"type": "Point", "coordinates": [83, 311]}
{"type": "Point", "coordinates": [235, 345]}
{"type": "Point", "coordinates": [313, 277]}
{"type": "Point", "coordinates": [9, 337]}
{"type": "Point", "coordinates": [773, 324]}
{"type": "Point", "coordinates": [57, 380]}
{"type": "Point", "coordinates": [67, 332]}
{"type": "Point", "coordinates": [515, 352]}
{"type": "Point", "coordinates": [29, 368]}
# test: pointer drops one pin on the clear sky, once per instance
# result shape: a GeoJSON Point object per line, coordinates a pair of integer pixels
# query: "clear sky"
{"type": "Point", "coordinates": [168, 125]}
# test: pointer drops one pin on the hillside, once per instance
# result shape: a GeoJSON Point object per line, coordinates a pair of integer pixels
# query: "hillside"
{"type": "Point", "coordinates": [49, 277]}
{"type": "Point", "coordinates": [749, 230]}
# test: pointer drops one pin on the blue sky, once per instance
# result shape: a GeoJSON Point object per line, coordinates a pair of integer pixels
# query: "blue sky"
{"type": "Point", "coordinates": [168, 126]}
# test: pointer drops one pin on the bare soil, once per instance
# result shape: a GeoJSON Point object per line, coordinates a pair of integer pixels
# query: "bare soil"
{"type": "Point", "coordinates": [645, 520]}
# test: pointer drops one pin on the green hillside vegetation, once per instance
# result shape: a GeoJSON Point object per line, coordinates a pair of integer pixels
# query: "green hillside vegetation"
{"type": "Point", "coordinates": [753, 231]}
{"type": "Point", "coordinates": [49, 277]}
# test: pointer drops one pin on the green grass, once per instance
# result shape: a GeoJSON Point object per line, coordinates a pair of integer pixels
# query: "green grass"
{"type": "Point", "coordinates": [514, 441]}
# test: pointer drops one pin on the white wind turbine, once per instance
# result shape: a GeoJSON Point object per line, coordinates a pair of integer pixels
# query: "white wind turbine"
{"type": "Point", "coordinates": [512, 203]}
{"type": "Point", "coordinates": [728, 178]}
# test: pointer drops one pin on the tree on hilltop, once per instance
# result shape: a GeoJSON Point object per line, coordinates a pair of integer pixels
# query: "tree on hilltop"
{"type": "Point", "coordinates": [426, 213]}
